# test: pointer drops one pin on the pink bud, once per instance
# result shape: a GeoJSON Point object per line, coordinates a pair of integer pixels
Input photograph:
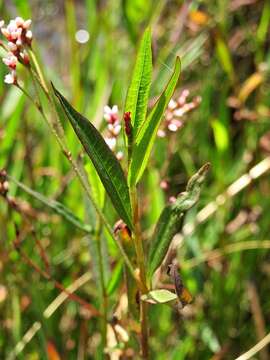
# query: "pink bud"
{"type": "Point", "coordinates": [128, 126]}
{"type": "Point", "coordinates": [164, 185]}
{"type": "Point", "coordinates": [161, 133]}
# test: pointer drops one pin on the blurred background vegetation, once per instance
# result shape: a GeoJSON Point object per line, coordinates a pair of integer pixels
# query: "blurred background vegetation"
{"type": "Point", "coordinates": [225, 55]}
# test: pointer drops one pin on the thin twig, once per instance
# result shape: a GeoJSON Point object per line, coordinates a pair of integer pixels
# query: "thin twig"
{"type": "Point", "coordinates": [255, 349]}
{"type": "Point", "coordinates": [258, 318]}
{"type": "Point", "coordinates": [227, 249]}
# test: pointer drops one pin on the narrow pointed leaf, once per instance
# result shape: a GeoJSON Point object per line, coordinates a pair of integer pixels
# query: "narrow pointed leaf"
{"type": "Point", "coordinates": [108, 167]}
{"type": "Point", "coordinates": [56, 206]}
{"type": "Point", "coordinates": [169, 223]}
{"type": "Point", "coordinates": [138, 92]}
{"type": "Point", "coordinates": [145, 139]}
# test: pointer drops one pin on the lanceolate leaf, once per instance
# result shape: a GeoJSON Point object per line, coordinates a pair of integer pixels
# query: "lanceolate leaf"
{"type": "Point", "coordinates": [56, 206]}
{"type": "Point", "coordinates": [108, 168]}
{"type": "Point", "coordinates": [169, 222]}
{"type": "Point", "coordinates": [138, 92]}
{"type": "Point", "coordinates": [147, 133]}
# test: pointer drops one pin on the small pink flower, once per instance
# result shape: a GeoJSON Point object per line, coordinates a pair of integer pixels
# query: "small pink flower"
{"type": "Point", "coordinates": [6, 33]}
{"type": "Point", "coordinates": [25, 58]}
{"type": "Point", "coordinates": [19, 21]}
{"type": "Point", "coordinates": [120, 155]}
{"type": "Point", "coordinates": [164, 185]}
{"type": "Point", "coordinates": [29, 35]}
{"type": "Point", "coordinates": [27, 24]}
{"type": "Point", "coordinates": [10, 61]}
{"type": "Point", "coordinates": [172, 199]}
{"type": "Point", "coordinates": [161, 133]}
{"type": "Point", "coordinates": [172, 104]}
{"type": "Point", "coordinates": [111, 114]}
{"type": "Point", "coordinates": [12, 47]}
{"type": "Point", "coordinates": [172, 127]}
{"type": "Point", "coordinates": [11, 78]}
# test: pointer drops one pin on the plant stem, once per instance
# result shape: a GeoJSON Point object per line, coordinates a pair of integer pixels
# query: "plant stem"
{"type": "Point", "coordinates": [58, 132]}
{"type": "Point", "coordinates": [102, 283]}
{"type": "Point", "coordinates": [141, 264]}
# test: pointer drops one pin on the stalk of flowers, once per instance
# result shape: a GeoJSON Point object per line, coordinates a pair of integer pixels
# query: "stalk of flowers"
{"type": "Point", "coordinates": [19, 38]}
{"type": "Point", "coordinates": [174, 115]}
{"type": "Point", "coordinates": [113, 129]}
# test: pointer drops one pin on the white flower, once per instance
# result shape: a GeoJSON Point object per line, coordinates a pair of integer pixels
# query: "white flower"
{"type": "Point", "coordinates": [11, 78]}
{"type": "Point", "coordinates": [12, 47]}
{"type": "Point", "coordinates": [29, 35]}
{"type": "Point", "coordinates": [111, 142]}
{"type": "Point", "coordinates": [161, 133]}
{"type": "Point", "coordinates": [27, 24]}
{"type": "Point", "coordinates": [116, 129]}
{"type": "Point", "coordinates": [111, 114]}
{"type": "Point", "coordinates": [19, 21]}
{"type": "Point", "coordinates": [2, 23]}
{"type": "Point", "coordinates": [11, 61]}
{"type": "Point", "coordinates": [174, 125]}
{"type": "Point", "coordinates": [172, 104]}
{"type": "Point", "coordinates": [120, 155]}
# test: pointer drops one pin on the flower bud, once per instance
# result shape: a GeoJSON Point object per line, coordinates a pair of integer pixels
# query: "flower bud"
{"type": "Point", "coordinates": [128, 126]}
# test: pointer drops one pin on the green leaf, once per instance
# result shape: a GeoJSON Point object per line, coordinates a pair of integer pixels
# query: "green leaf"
{"type": "Point", "coordinates": [56, 206]}
{"type": "Point", "coordinates": [160, 296]}
{"type": "Point", "coordinates": [169, 223]}
{"type": "Point", "coordinates": [138, 92]}
{"type": "Point", "coordinates": [146, 136]}
{"type": "Point", "coordinates": [115, 278]}
{"type": "Point", "coordinates": [108, 167]}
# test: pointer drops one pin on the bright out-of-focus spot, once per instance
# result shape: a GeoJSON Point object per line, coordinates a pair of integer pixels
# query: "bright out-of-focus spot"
{"type": "Point", "coordinates": [82, 36]}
